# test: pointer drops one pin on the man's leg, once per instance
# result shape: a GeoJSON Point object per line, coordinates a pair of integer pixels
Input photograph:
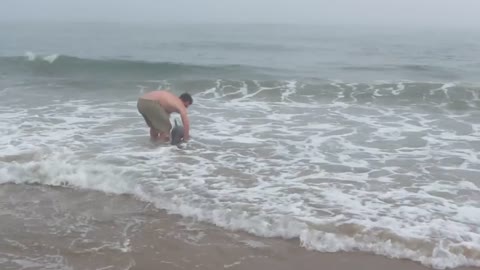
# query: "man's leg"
{"type": "Point", "coordinates": [156, 118]}
{"type": "Point", "coordinates": [164, 137]}
{"type": "Point", "coordinates": [153, 134]}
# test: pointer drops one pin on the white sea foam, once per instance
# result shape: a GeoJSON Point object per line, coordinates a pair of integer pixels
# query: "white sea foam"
{"type": "Point", "coordinates": [51, 58]}
{"type": "Point", "coordinates": [337, 177]}
{"type": "Point", "coordinates": [31, 56]}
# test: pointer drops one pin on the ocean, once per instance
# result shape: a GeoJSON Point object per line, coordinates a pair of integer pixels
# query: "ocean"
{"type": "Point", "coordinates": [306, 142]}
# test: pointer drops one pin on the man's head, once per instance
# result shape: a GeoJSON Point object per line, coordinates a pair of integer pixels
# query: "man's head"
{"type": "Point", "coordinates": [187, 99]}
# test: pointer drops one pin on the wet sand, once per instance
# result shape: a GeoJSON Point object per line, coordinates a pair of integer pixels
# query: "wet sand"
{"type": "Point", "coordinates": [63, 228]}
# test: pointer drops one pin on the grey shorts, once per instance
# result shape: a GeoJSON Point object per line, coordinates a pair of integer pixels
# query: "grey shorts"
{"type": "Point", "coordinates": [155, 115]}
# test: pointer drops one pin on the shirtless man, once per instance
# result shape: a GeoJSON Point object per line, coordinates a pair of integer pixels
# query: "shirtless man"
{"type": "Point", "coordinates": [156, 107]}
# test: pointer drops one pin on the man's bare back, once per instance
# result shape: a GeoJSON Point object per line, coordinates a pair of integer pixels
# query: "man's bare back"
{"type": "Point", "coordinates": [170, 103]}
{"type": "Point", "coordinates": [167, 100]}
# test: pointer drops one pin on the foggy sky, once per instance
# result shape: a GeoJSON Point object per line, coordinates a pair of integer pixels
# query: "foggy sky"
{"type": "Point", "coordinates": [372, 12]}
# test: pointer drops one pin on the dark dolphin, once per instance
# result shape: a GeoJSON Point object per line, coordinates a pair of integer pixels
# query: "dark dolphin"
{"type": "Point", "coordinates": [176, 134]}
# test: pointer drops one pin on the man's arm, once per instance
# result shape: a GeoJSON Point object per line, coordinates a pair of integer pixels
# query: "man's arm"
{"type": "Point", "coordinates": [186, 124]}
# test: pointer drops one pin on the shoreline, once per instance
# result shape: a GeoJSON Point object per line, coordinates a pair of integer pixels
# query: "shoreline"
{"type": "Point", "coordinates": [94, 230]}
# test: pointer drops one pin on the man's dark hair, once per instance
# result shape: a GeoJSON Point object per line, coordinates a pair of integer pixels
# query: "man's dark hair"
{"type": "Point", "coordinates": [186, 97]}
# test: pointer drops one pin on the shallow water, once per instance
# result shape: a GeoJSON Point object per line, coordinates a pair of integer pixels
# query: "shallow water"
{"type": "Point", "coordinates": [386, 167]}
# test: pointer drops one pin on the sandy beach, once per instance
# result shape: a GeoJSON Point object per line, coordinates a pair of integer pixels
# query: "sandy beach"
{"type": "Point", "coordinates": [63, 228]}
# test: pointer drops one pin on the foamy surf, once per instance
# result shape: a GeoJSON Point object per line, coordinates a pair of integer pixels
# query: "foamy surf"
{"type": "Point", "coordinates": [31, 56]}
{"type": "Point", "coordinates": [287, 218]}
{"type": "Point", "coordinates": [338, 169]}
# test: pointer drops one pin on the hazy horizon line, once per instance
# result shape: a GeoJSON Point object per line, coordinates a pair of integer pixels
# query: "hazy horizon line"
{"type": "Point", "coordinates": [216, 23]}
